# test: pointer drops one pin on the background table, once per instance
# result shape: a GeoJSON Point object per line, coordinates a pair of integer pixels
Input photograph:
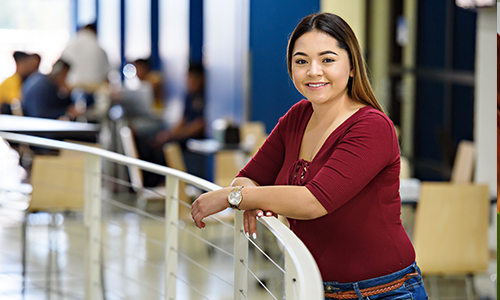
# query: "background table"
{"type": "Point", "coordinates": [48, 127]}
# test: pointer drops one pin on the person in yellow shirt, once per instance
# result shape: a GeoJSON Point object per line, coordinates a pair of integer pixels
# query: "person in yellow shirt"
{"type": "Point", "coordinates": [11, 87]}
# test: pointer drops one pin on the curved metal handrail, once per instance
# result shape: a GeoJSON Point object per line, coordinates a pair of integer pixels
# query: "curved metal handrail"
{"type": "Point", "coordinates": [116, 157]}
{"type": "Point", "coordinates": [309, 278]}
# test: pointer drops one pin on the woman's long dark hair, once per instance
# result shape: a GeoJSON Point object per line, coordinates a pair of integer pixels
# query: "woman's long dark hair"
{"type": "Point", "coordinates": [359, 88]}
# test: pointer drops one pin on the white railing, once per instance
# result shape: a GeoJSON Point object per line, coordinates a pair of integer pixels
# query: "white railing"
{"type": "Point", "coordinates": [301, 274]}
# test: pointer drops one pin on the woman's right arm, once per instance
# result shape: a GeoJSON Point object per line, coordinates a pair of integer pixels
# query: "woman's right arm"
{"type": "Point", "coordinates": [250, 216]}
{"type": "Point", "coordinates": [244, 181]}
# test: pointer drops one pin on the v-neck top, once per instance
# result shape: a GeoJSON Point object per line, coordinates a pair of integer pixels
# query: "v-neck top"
{"type": "Point", "coordinates": [355, 176]}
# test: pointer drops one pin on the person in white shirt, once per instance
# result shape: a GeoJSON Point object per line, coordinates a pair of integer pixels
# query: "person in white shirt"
{"type": "Point", "coordinates": [89, 62]}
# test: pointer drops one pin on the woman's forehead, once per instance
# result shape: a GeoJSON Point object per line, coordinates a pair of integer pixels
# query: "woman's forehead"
{"type": "Point", "coordinates": [314, 40]}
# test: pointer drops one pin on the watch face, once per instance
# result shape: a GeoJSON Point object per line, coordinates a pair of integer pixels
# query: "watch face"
{"type": "Point", "coordinates": [234, 198]}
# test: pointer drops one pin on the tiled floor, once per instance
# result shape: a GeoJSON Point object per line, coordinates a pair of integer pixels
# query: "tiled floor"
{"type": "Point", "coordinates": [133, 259]}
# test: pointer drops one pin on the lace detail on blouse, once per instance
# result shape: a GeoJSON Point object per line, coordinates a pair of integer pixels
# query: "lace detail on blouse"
{"type": "Point", "coordinates": [297, 173]}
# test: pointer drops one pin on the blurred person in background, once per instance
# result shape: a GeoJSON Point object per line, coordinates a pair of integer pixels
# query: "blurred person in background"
{"type": "Point", "coordinates": [35, 74]}
{"type": "Point", "coordinates": [50, 97]}
{"type": "Point", "coordinates": [89, 62]}
{"type": "Point", "coordinates": [10, 88]}
{"type": "Point", "coordinates": [152, 78]}
{"type": "Point", "coordinates": [137, 94]}
{"type": "Point", "coordinates": [137, 97]}
{"type": "Point", "coordinates": [191, 126]}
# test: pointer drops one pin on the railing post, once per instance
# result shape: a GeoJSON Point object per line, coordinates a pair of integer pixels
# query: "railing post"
{"type": "Point", "coordinates": [240, 257]}
{"type": "Point", "coordinates": [171, 235]}
{"type": "Point", "coordinates": [291, 284]}
{"type": "Point", "coordinates": [92, 218]}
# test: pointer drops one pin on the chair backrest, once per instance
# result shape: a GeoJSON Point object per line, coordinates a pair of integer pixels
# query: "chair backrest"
{"type": "Point", "coordinates": [175, 160]}
{"type": "Point", "coordinates": [253, 133]}
{"type": "Point", "coordinates": [451, 228]}
{"type": "Point", "coordinates": [57, 183]}
{"type": "Point", "coordinates": [174, 157]}
{"type": "Point", "coordinates": [405, 168]}
{"type": "Point", "coordinates": [227, 164]}
{"type": "Point", "coordinates": [465, 161]}
{"type": "Point", "coordinates": [129, 149]}
{"type": "Point", "coordinates": [254, 127]}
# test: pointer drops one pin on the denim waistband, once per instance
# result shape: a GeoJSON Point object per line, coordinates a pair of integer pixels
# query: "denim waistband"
{"type": "Point", "coordinates": [363, 284]}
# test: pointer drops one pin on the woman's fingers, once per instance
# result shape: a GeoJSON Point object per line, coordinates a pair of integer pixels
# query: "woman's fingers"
{"type": "Point", "coordinates": [267, 214]}
{"type": "Point", "coordinates": [250, 223]}
{"type": "Point", "coordinates": [195, 215]}
{"type": "Point", "coordinates": [245, 222]}
{"type": "Point", "coordinates": [208, 204]}
{"type": "Point", "coordinates": [253, 227]}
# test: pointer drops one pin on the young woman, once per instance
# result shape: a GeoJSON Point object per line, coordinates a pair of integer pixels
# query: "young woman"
{"type": "Point", "coordinates": [331, 166]}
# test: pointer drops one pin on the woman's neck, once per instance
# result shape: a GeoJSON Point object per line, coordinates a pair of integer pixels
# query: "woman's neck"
{"type": "Point", "coordinates": [332, 112]}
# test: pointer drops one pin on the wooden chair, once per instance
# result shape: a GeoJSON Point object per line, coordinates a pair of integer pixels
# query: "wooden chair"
{"type": "Point", "coordinates": [465, 161]}
{"type": "Point", "coordinates": [451, 230]}
{"type": "Point", "coordinates": [144, 196]}
{"type": "Point", "coordinates": [253, 134]}
{"type": "Point", "coordinates": [58, 186]}
{"type": "Point", "coordinates": [227, 164]}
{"type": "Point", "coordinates": [67, 172]}
{"type": "Point", "coordinates": [175, 160]}
{"type": "Point", "coordinates": [405, 172]}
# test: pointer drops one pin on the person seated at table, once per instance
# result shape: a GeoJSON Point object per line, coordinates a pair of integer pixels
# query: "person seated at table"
{"type": "Point", "coordinates": [136, 96]}
{"type": "Point", "coordinates": [191, 126]}
{"type": "Point", "coordinates": [152, 78]}
{"type": "Point", "coordinates": [89, 61]}
{"type": "Point", "coordinates": [35, 74]}
{"type": "Point", "coordinates": [10, 88]}
{"type": "Point", "coordinates": [49, 97]}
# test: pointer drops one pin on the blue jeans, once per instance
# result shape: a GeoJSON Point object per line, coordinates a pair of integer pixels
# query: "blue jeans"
{"type": "Point", "coordinates": [413, 288]}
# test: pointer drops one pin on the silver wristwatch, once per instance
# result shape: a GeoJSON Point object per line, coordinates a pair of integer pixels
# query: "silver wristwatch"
{"type": "Point", "coordinates": [235, 197]}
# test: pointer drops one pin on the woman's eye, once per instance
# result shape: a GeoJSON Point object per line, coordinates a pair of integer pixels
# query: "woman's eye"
{"type": "Point", "coordinates": [300, 61]}
{"type": "Point", "coordinates": [328, 60]}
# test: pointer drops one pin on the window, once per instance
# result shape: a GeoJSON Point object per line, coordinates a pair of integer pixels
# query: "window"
{"type": "Point", "coordinates": [137, 29]}
{"type": "Point", "coordinates": [33, 26]}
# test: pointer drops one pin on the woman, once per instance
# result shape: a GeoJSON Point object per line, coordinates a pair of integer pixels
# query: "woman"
{"type": "Point", "coordinates": [331, 166]}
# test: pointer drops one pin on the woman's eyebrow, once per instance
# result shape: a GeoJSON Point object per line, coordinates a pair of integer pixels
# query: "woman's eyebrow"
{"type": "Point", "coordinates": [327, 52]}
{"type": "Point", "coordinates": [300, 53]}
{"type": "Point", "coordinates": [320, 54]}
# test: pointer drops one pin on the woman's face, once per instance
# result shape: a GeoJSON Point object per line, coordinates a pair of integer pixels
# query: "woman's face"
{"type": "Point", "coordinates": [320, 69]}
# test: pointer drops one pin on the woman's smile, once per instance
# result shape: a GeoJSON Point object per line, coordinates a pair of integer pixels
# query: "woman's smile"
{"type": "Point", "coordinates": [316, 85]}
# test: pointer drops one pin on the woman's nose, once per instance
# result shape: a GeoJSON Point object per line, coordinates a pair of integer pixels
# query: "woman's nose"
{"type": "Point", "coordinates": [315, 69]}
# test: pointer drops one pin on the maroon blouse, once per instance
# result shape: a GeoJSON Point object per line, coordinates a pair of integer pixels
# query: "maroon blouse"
{"type": "Point", "coordinates": [355, 176]}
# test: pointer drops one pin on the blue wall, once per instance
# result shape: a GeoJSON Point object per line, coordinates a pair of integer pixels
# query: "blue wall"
{"type": "Point", "coordinates": [272, 92]}
{"type": "Point", "coordinates": [196, 31]}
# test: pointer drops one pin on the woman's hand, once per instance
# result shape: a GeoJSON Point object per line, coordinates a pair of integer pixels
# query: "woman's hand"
{"type": "Point", "coordinates": [250, 220]}
{"type": "Point", "coordinates": [208, 204]}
